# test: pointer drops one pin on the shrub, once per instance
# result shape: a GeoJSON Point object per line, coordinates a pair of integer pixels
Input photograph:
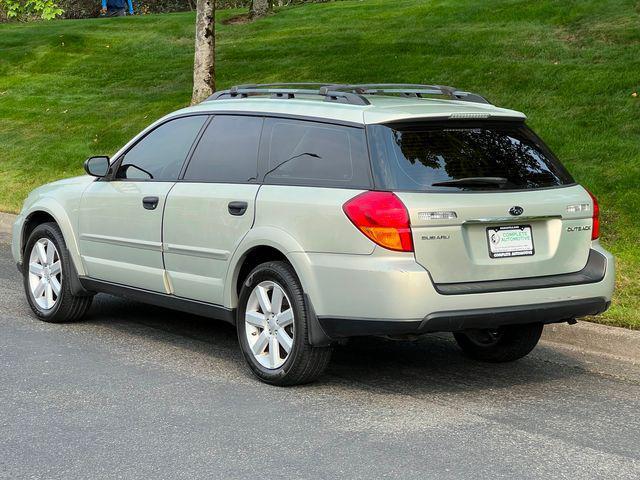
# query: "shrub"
{"type": "Point", "coordinates": [25, 10]}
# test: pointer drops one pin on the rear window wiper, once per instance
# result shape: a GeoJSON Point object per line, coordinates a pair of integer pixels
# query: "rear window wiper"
{"type": "Point", "coordinates": [308, 154]}
{"type": "Point", "coordinates": [472, 181]}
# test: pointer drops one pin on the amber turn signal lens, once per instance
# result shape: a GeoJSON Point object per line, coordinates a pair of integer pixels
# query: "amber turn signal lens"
{"type": "Point", "coordinates": [383, 218]}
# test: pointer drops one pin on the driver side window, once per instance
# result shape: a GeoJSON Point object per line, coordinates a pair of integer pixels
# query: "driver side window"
{"type": "Point", "coordinates": [160, 154]}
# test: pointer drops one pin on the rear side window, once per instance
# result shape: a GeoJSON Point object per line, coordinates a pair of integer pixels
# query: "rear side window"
{"type": "Point", "coordinates": [227, 151]}
{"type": "Point", "coordinates": [297, 152]}
{"type": "Point", "coordinates": [462, 156]}
{"type": "Point", "coordinates": [160, 154]}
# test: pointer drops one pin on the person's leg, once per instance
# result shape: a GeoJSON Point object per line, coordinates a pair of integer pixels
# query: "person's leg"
{"type": "Point", "coordinates": [116, 12]}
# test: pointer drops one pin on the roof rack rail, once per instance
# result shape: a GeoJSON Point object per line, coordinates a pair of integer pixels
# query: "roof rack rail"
{"type": "Point", "coordinates": [345, 93]}
{"type": "Point", "coordinates": [413, 90]}
{"type": "Point", "coordinates": [290, 90]}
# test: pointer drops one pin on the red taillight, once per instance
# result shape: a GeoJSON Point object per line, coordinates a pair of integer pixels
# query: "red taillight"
{"type": "Point", "coordinates": [383, 218]}
{"type": "Point", "coordinates": [595, 224]}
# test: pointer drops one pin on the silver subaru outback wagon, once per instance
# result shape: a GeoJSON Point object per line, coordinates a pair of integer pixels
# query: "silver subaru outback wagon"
{"type": "Point", "coordinates": [306, 214]}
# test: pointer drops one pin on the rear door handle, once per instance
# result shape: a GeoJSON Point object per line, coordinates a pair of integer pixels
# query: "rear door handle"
{"type": "Point", "coordinates": [150, 203]}
{"type": "Point", "coordinates": [238, 208]}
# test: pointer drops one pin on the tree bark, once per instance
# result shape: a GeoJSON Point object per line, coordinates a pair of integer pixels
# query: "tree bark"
{"type": "Point", "coordinates": [259, 8]}
{"type": "Point", "coordinates": [204, 75]}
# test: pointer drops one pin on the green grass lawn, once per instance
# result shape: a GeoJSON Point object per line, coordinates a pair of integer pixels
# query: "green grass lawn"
{"type": "Point", "coordinates": [70, 89]}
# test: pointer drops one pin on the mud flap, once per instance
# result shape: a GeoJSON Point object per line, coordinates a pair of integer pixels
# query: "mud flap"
{"type": "Point", "coordinates": [317, 336]}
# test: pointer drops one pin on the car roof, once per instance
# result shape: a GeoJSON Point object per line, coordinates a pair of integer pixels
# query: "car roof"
{"type": "Point", "coordinates": [380, 108]}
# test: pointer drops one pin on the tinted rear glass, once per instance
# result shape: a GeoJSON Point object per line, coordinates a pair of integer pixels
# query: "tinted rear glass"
{"type": "Point", "coordinates": [492, 156]}
{"type": "Point", "coordinates": [298, 152]}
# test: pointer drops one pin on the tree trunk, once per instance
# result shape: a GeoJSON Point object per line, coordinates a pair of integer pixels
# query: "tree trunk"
{"type": "Point", "coordinates": [204, 75]}
{"type": "Point", "coordinates": [259, 8]}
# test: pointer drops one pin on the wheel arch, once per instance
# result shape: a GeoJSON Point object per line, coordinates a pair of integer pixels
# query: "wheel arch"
{"type": "Point", "coordinates": [51, 211]}
{"type": "Point", "coordinates": [31, 221]}
{"type": "Point", "coordinates": [251, 259]}
{"type": "Point", "coordinates": [259, 245]}
{"type": "Point", "coordinates": [273, 244]}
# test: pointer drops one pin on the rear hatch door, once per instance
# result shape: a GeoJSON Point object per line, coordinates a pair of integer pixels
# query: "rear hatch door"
{"type": "Point", "coordinates": [485, 242]}
{"type": "Point", "coordinates": [487, 200]}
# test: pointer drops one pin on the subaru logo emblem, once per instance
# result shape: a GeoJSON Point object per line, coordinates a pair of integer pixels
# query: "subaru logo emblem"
{"type": "Point", "coordinates": [516, 210]}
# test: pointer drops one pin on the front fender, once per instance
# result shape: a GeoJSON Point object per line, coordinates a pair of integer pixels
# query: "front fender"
{"type": "Point", "coordinates": [67, 224]}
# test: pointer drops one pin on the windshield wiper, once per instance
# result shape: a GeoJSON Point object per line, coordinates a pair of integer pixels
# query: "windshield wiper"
{"type": "Point", "coordinates": [472, 182]}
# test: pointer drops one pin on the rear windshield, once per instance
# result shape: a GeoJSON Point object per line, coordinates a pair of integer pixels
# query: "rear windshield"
{"type": "Point", "coordinates": [462, 156]}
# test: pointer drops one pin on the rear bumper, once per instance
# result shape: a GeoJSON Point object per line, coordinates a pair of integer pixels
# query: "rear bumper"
{"type": "Point", "coordinates": [457, 320]}
{"type": "Point", "coordinates": [593, 272]}
{"type": "Point", "coordinates": [388, 293]}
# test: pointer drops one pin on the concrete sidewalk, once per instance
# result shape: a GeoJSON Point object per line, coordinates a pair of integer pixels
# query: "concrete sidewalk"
{"type": "Point", "coordinates": [616, 342]}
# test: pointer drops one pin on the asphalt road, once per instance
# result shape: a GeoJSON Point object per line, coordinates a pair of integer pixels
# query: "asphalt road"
{"type": "Point", "coordinates": [141, 392]}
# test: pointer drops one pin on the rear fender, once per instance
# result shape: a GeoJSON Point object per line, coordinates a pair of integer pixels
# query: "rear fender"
{"type": "Point", "coordinates": [258, 237]}
{"type": "Point", "coordinates": [286, 244]}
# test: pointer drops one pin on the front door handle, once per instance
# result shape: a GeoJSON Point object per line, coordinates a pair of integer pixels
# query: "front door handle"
{"type": "Point", "coordinates": [238, 208]}
{"type": "Point", "coordinates": [150, 203]}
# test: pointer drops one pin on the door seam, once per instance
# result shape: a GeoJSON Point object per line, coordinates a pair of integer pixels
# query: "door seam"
{"type": "Point", "coordinates": [164, 205]}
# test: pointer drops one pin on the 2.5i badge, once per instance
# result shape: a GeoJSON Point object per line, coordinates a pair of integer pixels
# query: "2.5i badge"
{"type": "Point", "coordinates": [510, 241]}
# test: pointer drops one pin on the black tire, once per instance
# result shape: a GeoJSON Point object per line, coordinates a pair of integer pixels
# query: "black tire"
{"type": "Point", "coordinates": [305, 362]}
{"type": "Point", "coordinates": [504, 344]}
{"type": "Point", "coordinates": [68, 307]}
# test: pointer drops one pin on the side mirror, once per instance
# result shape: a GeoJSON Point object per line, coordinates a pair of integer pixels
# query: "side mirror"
{"type": "Point", "coordinates": [97, 166]}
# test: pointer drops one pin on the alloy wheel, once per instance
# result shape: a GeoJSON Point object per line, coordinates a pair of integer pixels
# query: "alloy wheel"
{"type": "Point", "coordinates": [45, 274]}
{"type": "Point", "coordinates": [269, 324]}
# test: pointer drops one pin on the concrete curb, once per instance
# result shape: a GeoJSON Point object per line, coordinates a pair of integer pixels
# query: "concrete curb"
{"type": "Point", "coordinates": [590, 337]}
{"type": "Point", "coordinates": [595, 338]}
{"type": "Point", "coordinates": [6, 222]}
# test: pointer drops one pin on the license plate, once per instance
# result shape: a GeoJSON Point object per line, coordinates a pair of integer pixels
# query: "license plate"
{"type": "Point", "coordinates": [510, 241]}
